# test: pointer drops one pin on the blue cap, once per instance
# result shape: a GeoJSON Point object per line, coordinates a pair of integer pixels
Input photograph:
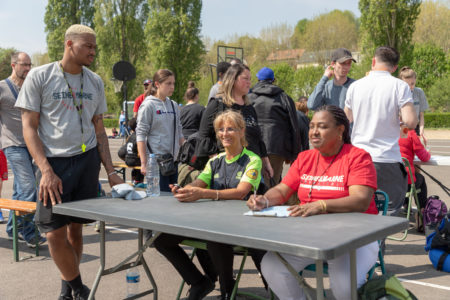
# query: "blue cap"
{"type": "Point", "coordinates": [265, 74]}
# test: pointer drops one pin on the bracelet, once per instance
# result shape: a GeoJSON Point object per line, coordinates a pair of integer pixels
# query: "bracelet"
{"type": "Point", "coordinates": [323, 205]}
{"type": "Point", "coordinates": [112, 173]}
{"type": "Point", "coordinates": [217, 196]}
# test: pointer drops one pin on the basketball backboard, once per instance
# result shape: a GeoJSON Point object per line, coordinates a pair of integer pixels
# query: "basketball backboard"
{"type": "Point", "coordinates": [227, 53]}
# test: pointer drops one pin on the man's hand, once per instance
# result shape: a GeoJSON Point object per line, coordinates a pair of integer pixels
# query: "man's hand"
{"type": "Point", "coordinates": [50, 187]}
{"type": "Point", "coordinates": [329, 72]}
{"type": "Point", "coordinates": [114, 179]}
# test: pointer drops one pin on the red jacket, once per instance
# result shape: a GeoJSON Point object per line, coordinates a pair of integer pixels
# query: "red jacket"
{"type": "Point", "coordinates": [410, 146]}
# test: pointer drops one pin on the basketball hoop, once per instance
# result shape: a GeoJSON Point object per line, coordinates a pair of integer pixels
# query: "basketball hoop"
{"type": "Point", "coordinates": [117, 85]}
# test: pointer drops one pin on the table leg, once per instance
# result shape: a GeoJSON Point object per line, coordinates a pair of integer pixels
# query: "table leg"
{"type": "Point", "coordinates": [319, 279]}
{"type": "Point", "coordinates": [353, 288]}
{"type": "Point", "coordinates": [15, 236]}
{"type": "Point", "coordinates": [145, 266]}
{"type": "Point", "coordinates": [102, 261]}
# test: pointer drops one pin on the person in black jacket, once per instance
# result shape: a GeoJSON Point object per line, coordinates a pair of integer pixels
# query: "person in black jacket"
{"type": "Point", "coordinates": [303, 121]}
{"type": "Point", "coordinates": [277, 119]}
{"type": "Point", "coordinates": [191, 113]}
{"type": "Point", "coordinates": [129, 153]}
{"type": "Point", "coordinates": [233, 95]}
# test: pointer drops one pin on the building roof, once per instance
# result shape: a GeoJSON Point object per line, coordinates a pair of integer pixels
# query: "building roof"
{"type": "Point", "coordinates": [285, 54]}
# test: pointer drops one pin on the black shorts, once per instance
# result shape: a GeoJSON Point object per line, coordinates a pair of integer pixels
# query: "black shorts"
{"type": "Point", "coordinates": [79, 175]}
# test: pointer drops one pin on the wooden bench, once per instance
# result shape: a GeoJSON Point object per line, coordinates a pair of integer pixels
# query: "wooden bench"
{"type": "Point", "coordinates": [19, 208]}
{"type": "Point", "coordinates": [121, 168]}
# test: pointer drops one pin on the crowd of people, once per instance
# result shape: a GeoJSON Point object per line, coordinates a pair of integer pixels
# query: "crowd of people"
{"type": "Point", "coordinates": [53, 137]}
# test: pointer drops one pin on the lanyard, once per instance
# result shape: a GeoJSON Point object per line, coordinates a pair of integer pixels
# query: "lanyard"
{"type": "Point", "coordinates": [78, 107]}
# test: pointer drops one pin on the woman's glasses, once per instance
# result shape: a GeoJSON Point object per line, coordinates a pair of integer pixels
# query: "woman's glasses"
{"type": "Point", "coordinates": [228, 129]}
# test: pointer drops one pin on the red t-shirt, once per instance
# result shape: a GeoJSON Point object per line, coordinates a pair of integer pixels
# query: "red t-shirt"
{"type": "Point", "coordinates": [3, 167]}
{"type": "Point", "coordinates": [138, 102]}
{"type": "Point", "coordinates": [352, 166]}
{"type": "Point", "coordinates": [411, 145]}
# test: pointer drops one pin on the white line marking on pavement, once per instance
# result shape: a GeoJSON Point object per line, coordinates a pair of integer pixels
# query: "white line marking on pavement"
{"type": "Point", "coordinates": [115, 228]}
{"type": "Point", "coordinates": [425, 284]}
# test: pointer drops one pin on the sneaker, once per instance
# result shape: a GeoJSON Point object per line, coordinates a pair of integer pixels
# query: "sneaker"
{"type": "Point", "coordinates": [32, 242]}
{"type": "Point", "coordinates": [65, 297]}
{"type": "Point", "coordinates": [2, 220]}
{"type": "Point", "coordinates": [200, 290]}
{"type": "Point", "coordinates": [83, 294]}
{"type": "Point", "coordinates": [20, 237]}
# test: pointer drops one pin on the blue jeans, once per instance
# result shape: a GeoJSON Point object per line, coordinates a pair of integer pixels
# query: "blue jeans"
{"type": "Point", "coordinates": [24, 186]}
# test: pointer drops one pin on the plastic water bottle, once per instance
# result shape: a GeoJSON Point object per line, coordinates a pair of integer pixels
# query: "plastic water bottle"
{"type": "Point", "coordinates": [133, 279]}
{"type": "Point", "coordinates": [152, 176]}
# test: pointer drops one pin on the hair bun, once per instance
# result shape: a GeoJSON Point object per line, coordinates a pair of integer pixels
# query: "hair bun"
{"type": "Point", "coordinates": [191, 84]}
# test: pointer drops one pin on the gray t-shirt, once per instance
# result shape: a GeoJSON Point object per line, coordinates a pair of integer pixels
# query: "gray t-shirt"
{"type": "Point", "coordinates": [10, 117]}
{"type": "Point", "coordinates": [45, 91]}
{"type": "Point", "coordinates": [420, 101]}
{"type": "Point", "coordinates": [155, 125]}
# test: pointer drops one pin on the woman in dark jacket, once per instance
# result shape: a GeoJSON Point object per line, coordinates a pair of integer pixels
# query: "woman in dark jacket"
{"type": "Point", "coordinates": [191, 113]}
{"type": "Point", "coordinates": [233, 95]}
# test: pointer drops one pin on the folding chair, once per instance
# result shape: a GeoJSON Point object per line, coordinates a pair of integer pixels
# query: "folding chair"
{"type": "Point", "coordinates": [411, 194]}
{"type": "Point", "coordinates": [195, 244]}
{"type": "Point", "coordinates": [382, 205]}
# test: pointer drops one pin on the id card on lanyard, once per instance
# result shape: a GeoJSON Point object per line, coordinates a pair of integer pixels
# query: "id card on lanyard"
{"type": "Point", "coordinates": [79, 106]}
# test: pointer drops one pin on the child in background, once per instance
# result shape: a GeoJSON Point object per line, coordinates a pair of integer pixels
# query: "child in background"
{"type": "Point", "coordinates": [410, 145]}
{"type": "Point", "coordinates": [3, 177]}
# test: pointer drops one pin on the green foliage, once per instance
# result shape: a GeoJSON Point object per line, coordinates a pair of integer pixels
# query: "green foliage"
{"type": "Point", "coordinates": [433, 23]}
{"type": "Point", "coordinates": [5, 62]}
{"type": "Point", "coordinates": [360, 69]}
{"type": "Point", "coordinates": [439, 96]}
{"type": "Point", "coordinates": [110, 123]}
{"type": "Point", "coordinates": [430, 64]}
{"type": "Point", "coordinates": [173, 31]}
{"type": "Point", "coordinates": [305, 80]}
{"type": "Point", "coordinates": [284, 75]}
{"type": "Point", "coordinates": [59, 15]}
{"type": "Point", "coordinates": [328, 31]}
{"type": "Point", "coordinates": [120, 30]}
{"type": "Point", "coordinates": [388, 23]}
{"type": "Point", "coordinates": [437, 120]}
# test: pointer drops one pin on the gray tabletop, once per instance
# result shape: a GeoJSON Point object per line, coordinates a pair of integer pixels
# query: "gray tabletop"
{"type": "Point", "coordinates": [318, 237]}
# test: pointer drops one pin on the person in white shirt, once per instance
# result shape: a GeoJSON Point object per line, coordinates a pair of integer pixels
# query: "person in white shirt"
{"type": "Point", "coordinates": [373, 104]}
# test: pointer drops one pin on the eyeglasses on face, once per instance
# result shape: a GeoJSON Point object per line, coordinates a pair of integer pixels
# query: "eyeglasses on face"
{"type": "Point", "coordinates": [24, 64]}
{"type": "Point", "coordinates": [228, 129]}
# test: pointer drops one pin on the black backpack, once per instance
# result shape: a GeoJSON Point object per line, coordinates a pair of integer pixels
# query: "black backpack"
{"type": "Point", "coordinates": [189, 153]}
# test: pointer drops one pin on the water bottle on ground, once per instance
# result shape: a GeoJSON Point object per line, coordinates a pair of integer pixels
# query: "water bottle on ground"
{"type": "Point", "coordinates": [152, 176]}
{"type": "Point", "coordinates": [133, 279]}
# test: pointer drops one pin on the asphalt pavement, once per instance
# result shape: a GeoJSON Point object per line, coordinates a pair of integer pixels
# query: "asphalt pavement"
{"type": "Point", "coordinates": [37, 277]}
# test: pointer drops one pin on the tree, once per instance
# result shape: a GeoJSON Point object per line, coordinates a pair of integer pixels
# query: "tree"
{"type": "Point", "coordinates": [329, 31]}
{"type": "Point", "coordinates": [59, 15]}
{"type": "Point", "coordinates": [388, 23]}
{"type": "Point", "coordinates": [120, 28]}
{"type": "Point", "coordinates": [433, 23]}
{"type": "Point", "coordinates": [173, 31]}
{"type": "Point", "coordinates": [40, 59]}
{"type": "Point", "coordinates": [305, 80]}
{"type": "Point", "coordinates": [430, 64]}
{"type": "Point", "coordinates": [439, 94]}
{"type": "Point", "coordinates": [5, 62]}
{"type": "Point", "coordinates": [284, 76]}
{"type": "Point", "coordinates": [299, 31]}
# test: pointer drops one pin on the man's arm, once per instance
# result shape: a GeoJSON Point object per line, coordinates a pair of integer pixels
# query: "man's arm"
{"type": "Point", "coordinates": [50, 185]}
{"type": "Point", "coordinates": [316, 99]}
{"type": "Point", "coordinates": [103, 150]}
{"type": "Point", "coordinates": [349, 114]}
{"type": "Point", "coordinates": [409, 116]}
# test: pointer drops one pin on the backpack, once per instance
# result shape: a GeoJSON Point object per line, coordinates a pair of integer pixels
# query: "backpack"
{"type": "Point", "coordinates": [384, 287]}
{"type": "Point", "coordinates": [434, 212]}
{"type": "Point", "coordinates": [438, 246]}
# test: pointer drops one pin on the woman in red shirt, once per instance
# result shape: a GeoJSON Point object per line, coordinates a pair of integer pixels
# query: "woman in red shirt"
{"type": "Point", "coordinates": [333, 177]}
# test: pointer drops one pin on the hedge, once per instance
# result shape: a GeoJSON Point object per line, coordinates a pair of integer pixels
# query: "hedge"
{"type": "Point", "coordinates": [437, 120]}
{"type": "Point", "coordinates": [432, 120]}
{"type": "Point", "coordinates": [110, 123]}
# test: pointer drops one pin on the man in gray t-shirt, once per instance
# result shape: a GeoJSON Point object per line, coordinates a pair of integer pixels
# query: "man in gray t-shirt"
{"type": "Point", "coordinates": [14, 147]}
{"type": "Point", "coordinates": [62, 105]}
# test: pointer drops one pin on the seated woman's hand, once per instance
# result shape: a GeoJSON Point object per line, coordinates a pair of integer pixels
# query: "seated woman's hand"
{"type": "Point", "coordinates": [308, 209]}
{"type": "Point", "coordinates": [188, 194]}
{"type": "Point", "coordinates": [174, 188]}
{"type": "Point", "coordinates": [257, 202]}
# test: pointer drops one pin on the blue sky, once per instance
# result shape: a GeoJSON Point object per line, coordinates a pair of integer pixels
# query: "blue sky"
{"type": "Point", "coordinates": [22, 21]}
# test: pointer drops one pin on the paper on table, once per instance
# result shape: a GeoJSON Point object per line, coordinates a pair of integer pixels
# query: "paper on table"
{"type": "Point", "coordinates": [273, 211]}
